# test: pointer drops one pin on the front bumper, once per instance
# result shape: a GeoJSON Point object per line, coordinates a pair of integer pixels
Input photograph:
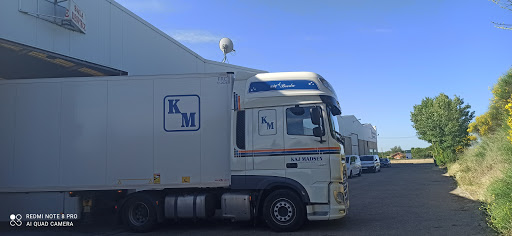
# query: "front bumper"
{"type": "Point", "coordinates": [368, 167]}
{"type": "Point", "coordinates": [337, 207]}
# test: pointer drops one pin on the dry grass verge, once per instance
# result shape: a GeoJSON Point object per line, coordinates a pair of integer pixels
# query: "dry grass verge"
{"type": "Point", "coordinates": [413, 161]}
{"type": "Point", "coordinates": [485, 173]}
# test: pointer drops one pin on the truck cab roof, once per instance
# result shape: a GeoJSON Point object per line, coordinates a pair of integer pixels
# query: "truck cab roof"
{"type": "Point", "coordinates": [291, 88]}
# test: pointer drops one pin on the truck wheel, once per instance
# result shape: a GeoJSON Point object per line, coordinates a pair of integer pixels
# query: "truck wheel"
{"type": "Point", "coordinates": [350, 176]}
{"type": "Point", "coordinates": [284, 211]}
{"type": "Point", "coordinates": [139, 213]}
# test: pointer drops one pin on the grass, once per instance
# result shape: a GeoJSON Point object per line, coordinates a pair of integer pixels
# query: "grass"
{"type": "Point", "coordinates": [499, 209]}
{"type": "Point", "coordinates": [485, 172]}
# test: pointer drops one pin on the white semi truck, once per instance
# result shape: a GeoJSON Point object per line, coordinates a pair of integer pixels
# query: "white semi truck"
{"type": "Point", "coordinates": [191, 146]}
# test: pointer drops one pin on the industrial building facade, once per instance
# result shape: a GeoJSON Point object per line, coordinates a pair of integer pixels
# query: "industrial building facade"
{"type": "Point", "coordinates": [71, 38]}
{"type": "Point", "coordinates": [360, 139]}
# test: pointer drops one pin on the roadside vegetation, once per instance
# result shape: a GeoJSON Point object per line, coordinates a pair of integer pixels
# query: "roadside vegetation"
{"type": "Point", "coordinates": [480, 158]}
{"type": "Point", "coordinates": [485, 170]}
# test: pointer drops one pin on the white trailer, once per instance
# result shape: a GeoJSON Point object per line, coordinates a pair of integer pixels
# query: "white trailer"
{"type": "Point", "coordinates": [172, 147]}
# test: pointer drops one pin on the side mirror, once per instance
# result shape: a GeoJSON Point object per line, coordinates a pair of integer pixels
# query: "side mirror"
{"type": "Point", "coordinates": [316, 115]}
{"type": "Point", "coordinates": [317, 132]}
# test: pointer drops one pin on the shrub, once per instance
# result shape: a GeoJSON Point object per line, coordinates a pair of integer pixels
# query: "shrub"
{"type": "Point", "coordinates": [499, 209]}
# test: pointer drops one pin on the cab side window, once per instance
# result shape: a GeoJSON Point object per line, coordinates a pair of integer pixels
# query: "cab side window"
{"type": "Point", "coordinates": [299, 123]}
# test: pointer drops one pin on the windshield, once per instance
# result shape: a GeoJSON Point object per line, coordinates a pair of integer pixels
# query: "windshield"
{"type": "Point", "coordinates": [366, 158]}
{"type": "Point", "coordinates": [335, 128]}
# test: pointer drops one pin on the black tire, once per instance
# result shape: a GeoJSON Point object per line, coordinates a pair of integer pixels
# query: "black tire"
{"type": "Point", "coordinates": [284, 211]}
{"type": "Point", "coordinates": [375, 169]}
{"type": "Point", "coordinates": [360, 172]}
{"type": "Point", "coordinates": [139, 213]}
{"type": "Point", "coordinates": [350, 176]}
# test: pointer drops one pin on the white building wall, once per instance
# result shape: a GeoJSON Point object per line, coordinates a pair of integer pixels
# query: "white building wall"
{"type": "Point", "coordinates": [115, 38]}
{"type": "Point", "coordinates": [351, 127]}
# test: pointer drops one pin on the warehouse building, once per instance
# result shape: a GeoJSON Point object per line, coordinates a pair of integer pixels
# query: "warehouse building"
{"type": "Point", "coordinates": [72, 38]}
{"type": "Point", "coordinates": [360, 139]}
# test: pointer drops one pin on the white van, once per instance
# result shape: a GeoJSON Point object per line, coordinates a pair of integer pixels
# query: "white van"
{"type": "Point", "coordinates": [371, 163]}
{"type": "Point", "coordinates": [353, 165]}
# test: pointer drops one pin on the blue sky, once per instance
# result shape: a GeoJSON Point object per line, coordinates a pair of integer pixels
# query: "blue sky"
{"type": "Point", "coordinates": [382, 57]}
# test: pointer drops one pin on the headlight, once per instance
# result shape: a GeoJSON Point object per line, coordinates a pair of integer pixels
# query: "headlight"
{"type": "Point", "coordinates": [338, 196]}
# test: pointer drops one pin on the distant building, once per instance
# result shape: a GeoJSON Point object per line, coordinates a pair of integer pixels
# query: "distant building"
{"type": "Point", "coordinates": [360, 139]}
{"type": "Point", "coordinates": [398, 155]}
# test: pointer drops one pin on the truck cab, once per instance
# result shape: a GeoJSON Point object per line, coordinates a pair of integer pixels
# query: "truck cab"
{"type": "Point", "coordinates": [286, 136]}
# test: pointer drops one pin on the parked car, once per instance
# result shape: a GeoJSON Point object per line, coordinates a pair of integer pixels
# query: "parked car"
{"type": "Point", "coordinates": [385, 162]}
{"type": "Point", "coordinates": [370, 163]}
{"type": "Point", "coordinates": [353, 165]}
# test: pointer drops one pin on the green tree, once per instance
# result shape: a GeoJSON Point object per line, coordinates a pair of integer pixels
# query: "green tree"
{"type": "Point", "coordinates": [396, 149]}
{"type": "Point", "coordinates": [443, 122]}
{"type": "Point", "coordinates": [421, 152]}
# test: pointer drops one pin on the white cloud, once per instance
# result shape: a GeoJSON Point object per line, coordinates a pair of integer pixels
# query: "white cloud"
{"type": "Point", "coordinates": [154, 6]}
{"type": "Point", "coordinates": [194, 36]}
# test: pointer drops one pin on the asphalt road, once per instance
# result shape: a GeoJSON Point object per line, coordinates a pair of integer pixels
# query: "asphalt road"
{"type": "Point", "coordinates": [406, 199]}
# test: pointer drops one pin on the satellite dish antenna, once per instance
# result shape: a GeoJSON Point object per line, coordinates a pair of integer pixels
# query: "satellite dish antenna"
{"type": "Point", "coordinates": [226, 46]}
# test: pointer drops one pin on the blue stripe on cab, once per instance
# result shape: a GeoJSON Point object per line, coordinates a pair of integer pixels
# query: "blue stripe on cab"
{"type": "Point", "coordinates": [281, 85]}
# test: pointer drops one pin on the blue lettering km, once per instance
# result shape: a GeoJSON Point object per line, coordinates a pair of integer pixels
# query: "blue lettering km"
{"type": "Point", "coordinates": [264, 121]}
{"type": "Point", "coordinates": [186, 119]}
{"type": "Point", "coordinates": [173, 106]}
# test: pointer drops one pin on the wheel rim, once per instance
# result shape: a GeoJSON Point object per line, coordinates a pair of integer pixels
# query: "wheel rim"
{"type": "Point", "coordinates": [139, 213]}
{"type": "Point", "coordinates": [283, 211]}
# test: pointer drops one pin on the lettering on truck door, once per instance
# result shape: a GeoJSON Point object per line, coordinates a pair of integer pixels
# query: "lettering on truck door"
{"type": "Point", "coordinates": [268, 143]}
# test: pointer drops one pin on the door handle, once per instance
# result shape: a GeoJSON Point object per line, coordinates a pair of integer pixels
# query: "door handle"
{"type": "Point", "coordinates": [291, 165]}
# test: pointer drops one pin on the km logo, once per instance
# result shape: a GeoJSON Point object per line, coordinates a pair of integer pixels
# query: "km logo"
{"type": "Point", "coordinates": [181, 113]}
{"type": "Point", "coordinates": [270, 125]}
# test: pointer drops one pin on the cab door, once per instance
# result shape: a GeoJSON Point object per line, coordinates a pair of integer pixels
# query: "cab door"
{"type": "Point", "coordinates": [268, 141]}
{"type": "Point", "coordinates": [307, 156]}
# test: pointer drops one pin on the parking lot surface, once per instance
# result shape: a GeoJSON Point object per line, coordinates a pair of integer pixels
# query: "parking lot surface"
{"type": "Point", "coordinates": [406, 199]}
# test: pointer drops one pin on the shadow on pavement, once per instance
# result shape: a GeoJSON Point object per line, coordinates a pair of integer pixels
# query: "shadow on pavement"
{"type": "Point", "coordinates": [406, 199]}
